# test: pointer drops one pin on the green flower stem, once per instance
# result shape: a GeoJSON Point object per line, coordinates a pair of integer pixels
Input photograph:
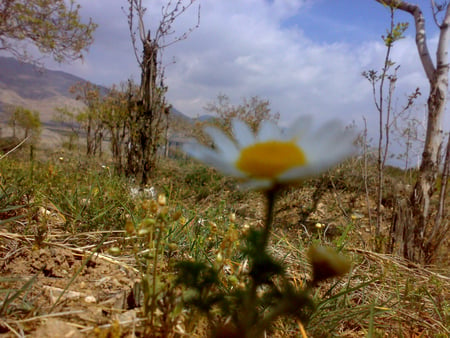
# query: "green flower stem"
{"type": "Point", "coordinates": [265, 323]}
{"type": "Point", "coordinates": [155, 264]}
{"type": "Point", "coordinates": [251, 300]}
{"type": "Point", "coordinates": [271, 195]}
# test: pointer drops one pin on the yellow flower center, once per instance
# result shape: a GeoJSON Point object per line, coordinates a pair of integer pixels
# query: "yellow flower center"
{"type": "Point", "coordinates": [269, 159]}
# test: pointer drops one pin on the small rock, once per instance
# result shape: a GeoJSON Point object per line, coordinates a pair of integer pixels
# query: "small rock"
{"type": "Point", "coordinates": [90, 299]}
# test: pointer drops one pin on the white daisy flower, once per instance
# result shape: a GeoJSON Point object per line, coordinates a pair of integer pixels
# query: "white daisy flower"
{"type": "Point", "coordinates": [273, 156]}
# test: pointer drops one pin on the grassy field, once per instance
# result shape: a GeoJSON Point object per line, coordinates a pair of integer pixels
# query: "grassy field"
{"type": "Point", "coordinates": [83, 252]}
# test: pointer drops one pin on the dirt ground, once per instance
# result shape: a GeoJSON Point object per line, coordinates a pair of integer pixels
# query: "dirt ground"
{"type": "Point", "coordinates": [64, 288]}
{"type": "Point", "coordinates": [61, 290]}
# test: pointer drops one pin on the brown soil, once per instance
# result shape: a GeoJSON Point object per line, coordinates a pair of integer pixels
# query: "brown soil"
{"type": "Point", "coordinates": [55, 303]}
{"type": "Point", "coordinates": [65, 290]}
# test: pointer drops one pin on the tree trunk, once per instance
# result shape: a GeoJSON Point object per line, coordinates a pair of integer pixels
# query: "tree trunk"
{"type": "Point", "coordinates": [89, 144]}
{"type": "Point", "coordinates": [422, 250]}
{"type": "Point", "coordinates": [148, 96]}
{"type": "Point", "coordinates": [441, 223]}
{"type": "Point", "coordinates": [145, 124]}
{"type": "Point", "coordinates": [428, 171]}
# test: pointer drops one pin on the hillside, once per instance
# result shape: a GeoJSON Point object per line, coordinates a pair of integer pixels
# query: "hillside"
{"type": "Point", "coordinates": [31, 82]}
{"type": "Point", "coordinates": [35, 88]}
{"type": "Point", "coordinates": [42, 89]}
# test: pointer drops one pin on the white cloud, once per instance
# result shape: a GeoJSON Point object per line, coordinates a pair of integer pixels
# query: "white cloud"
{"type": "Point", "coordinates": [242, 48]}
{"type": "Point", "coordinates": [248, 53]}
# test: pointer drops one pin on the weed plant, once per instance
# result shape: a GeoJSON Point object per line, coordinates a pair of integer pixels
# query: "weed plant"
{"type": "Point", "coordinates": [199, 254]}
{"type": "Point", "coordinates": [86, 197]}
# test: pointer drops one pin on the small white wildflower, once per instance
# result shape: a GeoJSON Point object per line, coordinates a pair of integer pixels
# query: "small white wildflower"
{"type": "Point", "coordinates": [134, 192]}
{"type": "Point", "coordinates": [273, 157]}
{"type": "Point", "coordinates": [149, 192]}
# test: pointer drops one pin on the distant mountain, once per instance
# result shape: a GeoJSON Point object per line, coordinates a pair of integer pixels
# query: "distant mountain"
{"type": "Point", "coordinates": [26, 85]}
{"type": "Point", "coordinates": [179, 115]}
{"type": "Point", "coordinates": [43, 90]}
{"type": "Point", "coordinates": [31, 82]}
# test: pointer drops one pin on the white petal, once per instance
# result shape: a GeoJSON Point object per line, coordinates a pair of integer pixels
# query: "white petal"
{"type": "Point", "coordinates": [213, 158]}
{"type": "Point", "coordinates": [328, 155]}
{"type": "Point", "coordinates": [342, 152]}
{"type": "Point", "coordinates": [326, 141]}
{"type": "Point", "coordinates": [268, 130]}
{"type": "Point", "coordinates": [227, 168]}
{"type": "Point", "coordinates": [242, 133]}
{"type": "Point", "coordinates": [299, 127]}
{"type": "Point", "coordinates": [329, 132]}
{"type": "Point", "coordinates": [198, 151]}
{"type": "Point", "coordinates": [297, 173]}
{"type": "Point", "coordinates": [222, 143]}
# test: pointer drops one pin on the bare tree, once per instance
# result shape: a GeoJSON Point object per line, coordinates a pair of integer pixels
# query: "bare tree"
{"type": "Point", "coordinates": [253, 111]}
{"type": "Point", "coordinates": [384, 108]}
{"type": "Point", "coordinates": [114, 110]}
{"type": "Point", "coordinates": [387, 115]}
{"type": "Point", "coordinates": [147, 110]}
{"type": "Point", "coordinates": [89, 94]}
{"type": "Point", "coordinates": [424, 236]}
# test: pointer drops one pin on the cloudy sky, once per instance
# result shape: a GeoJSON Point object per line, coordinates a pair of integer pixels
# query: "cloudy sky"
{"type": "Point", "coordinates": [304, 56]}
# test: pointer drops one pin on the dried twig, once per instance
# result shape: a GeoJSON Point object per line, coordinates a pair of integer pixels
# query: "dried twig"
{"type": "Point", "coordinates": [14, 149]}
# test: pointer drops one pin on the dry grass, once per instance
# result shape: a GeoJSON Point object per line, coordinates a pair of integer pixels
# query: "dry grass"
{"type": "Point", "coordinates": [382, 296]}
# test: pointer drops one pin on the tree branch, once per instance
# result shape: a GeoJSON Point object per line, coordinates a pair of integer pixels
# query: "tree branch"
{"type": "Point", "coordinates": [421, 41]}
{"type": "Point", "coordinates": [442, 54]}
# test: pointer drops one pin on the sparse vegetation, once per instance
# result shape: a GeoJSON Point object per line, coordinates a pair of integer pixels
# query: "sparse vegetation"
{"type": "Point", "coordinates": [96, 232]}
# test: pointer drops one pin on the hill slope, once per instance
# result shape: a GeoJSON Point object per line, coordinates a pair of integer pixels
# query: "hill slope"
{"type": "Point", "coordinates": [31, 82]}
{"type": "Point", "coordinates": [23, 84]}
{"type": "Point", "coordinates": [44, 90]}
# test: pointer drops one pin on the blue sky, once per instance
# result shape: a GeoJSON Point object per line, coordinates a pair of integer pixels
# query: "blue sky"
{"type": "Point", "coordinates": [304, 56]}
{"type": "Point", "coordinates": [340, 20]}
{"type": "Point", "coordinates": [352, 21]}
